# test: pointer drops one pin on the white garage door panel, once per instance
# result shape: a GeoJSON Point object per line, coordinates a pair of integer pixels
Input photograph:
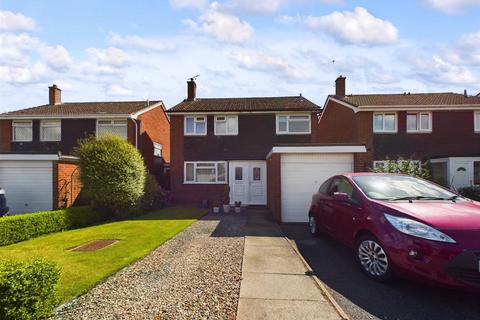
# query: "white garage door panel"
{"type": "Point", "coordinates": [27, 184]}
{"type": "Point", "coordinates": [302, 175]}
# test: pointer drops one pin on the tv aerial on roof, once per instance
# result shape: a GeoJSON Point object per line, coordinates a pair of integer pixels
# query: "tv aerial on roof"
{"type": "Point", "coordinates": [194, 78]}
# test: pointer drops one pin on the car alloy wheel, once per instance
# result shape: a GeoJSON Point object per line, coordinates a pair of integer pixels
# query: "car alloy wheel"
{"type": "Point", "coordinates": [312, 226]}
{"type": "Point", "coordinates": [373, 258]}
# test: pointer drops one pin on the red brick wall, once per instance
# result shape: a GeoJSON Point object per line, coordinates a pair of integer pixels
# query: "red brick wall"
{"type": "Point", "coordinates": [131, 131]}
{"type": "Point", "coordinates": [66, 184]}
{"type": "Point", "coordinates": [5, 135]}
{"type": "Point", "coordinates": [274, 186]}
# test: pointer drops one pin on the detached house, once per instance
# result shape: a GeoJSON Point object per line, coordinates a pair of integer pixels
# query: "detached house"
{"type": "Point", "coordinates": [266, 149]}
{"type": "Point", "coordinates": [37, 169]}
{"type": "Point", "coordinates": [443, 128]}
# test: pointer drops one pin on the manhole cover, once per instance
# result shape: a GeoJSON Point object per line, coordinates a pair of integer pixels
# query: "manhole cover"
{"type": "Point", "coordinates": [94, 245]}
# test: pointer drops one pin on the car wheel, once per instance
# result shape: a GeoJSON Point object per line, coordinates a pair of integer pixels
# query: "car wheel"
{"type": "Point", "coordinates": [313, 226]}
{"type": "Point", "coordinates": [373, 258]}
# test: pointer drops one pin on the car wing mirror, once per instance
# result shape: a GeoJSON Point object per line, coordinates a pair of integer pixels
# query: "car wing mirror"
{"type": "Point", "coordinates": [341, 196]}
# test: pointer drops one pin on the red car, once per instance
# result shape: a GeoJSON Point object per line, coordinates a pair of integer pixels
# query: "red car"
{"type": "Point", "coordinates": [402, 225]}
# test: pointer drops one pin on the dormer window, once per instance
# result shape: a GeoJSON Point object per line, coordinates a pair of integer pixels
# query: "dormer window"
{"type": "Point", "coordinates": [385, 122]}
{"type": "Point", "coordinates": [22, 131]}
{"type": "Point", "coordinates": [293, 124]}
{"type": "Point", "coordinates": [195, 125]}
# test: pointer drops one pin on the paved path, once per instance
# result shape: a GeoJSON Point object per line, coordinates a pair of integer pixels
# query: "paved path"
{"type": "Point", "coordinates": [275, 280]}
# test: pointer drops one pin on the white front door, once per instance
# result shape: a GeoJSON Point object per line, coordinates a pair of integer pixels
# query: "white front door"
{"type": "Point", "coordinates": [248, 182]}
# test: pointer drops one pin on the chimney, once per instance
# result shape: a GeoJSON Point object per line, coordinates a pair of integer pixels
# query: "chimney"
{"type": "Point", "coordinates": [465, 94]}
{"type": "Point", "coordinates": [54, 95]}
{"type": "Point", "coordinates": [340, 86]}
{"type": "Point", "coordinates": [191, 90]}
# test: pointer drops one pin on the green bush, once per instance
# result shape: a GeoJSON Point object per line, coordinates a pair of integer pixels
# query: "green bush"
{"type": "Point", "coordinates": [470, 192]}
{"type": "Point", "coordinates": [152, 197]}
{"type": "Point", "coordinates": [409, 167]}
{"type": "Point", "coordinates": [26, 226]}
{"type": "Point", "coordinates": [112, 172]}
{"type": "Point", "coordinates": [27, 289]}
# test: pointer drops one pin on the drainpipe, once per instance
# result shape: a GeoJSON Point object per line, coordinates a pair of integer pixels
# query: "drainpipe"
{"type": "Point", "coordinates": [136, 132]}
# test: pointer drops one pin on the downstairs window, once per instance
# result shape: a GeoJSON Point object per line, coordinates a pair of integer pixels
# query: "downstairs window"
{"type": "Point", "coordinates": [205, 172]}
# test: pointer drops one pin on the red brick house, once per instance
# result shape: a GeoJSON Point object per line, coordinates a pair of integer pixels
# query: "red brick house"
{"type": "Point", "coordinates": [36, 144]}
{"type": "Point", "coordinates": [443, 128]}
{"type": "Point", "coordinates": [266, 149]}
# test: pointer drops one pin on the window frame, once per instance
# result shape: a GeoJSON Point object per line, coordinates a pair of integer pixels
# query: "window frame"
{"type": "Point", "coordinates": [158, 146]}
{"type": "Point", "coordinates": [419, 128]}
{"type": "Point", "coordinates": [395, 130]}
{"type": "Point", "coordinates": [195, 121]}
{"type": "Point", "coordinates": [476, 121]}
{"type": "Point", "coordinates": [226, 116]}
{"type": "Point", "coordinates": [195, 165]}
{"type": "Point", "coordinates": [287, 132]}
{"type": "Point", "coordinates": [112, 124]}
{"type": "Point", "coordinates": [22, 126]}
{"type": "Point", "coordinates": [44, 125]}
{"type": "Point", "coordinates": [476, 183]}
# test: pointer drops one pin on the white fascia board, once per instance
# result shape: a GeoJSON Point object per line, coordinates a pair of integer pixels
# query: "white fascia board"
{"type": "Point", "coordinates": [318, 149]}
{"type": "Point", "coordinates": [343, 103]}
{"type": "Point", "coordinates": [153, 106]}
{"type": "Point", "coordinates": [76, 116]}
{"type": "Point", "coordinates": [29, 157]}
{"type": "Point", "coordinates": [419, 108]}
{"type": "Point", "coordinates": [240, 112]}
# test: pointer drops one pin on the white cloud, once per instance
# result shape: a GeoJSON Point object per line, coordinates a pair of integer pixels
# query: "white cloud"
{"type": "Point", "coordinates": [111, 56]}
{"type": "Point", "coordinates": [451, 6]}
{"type": "Point", "coordinates": [255, 6]}
{"type": "Point", "coordinates": [437, 70]}
{"type": "Point", "coordinates": [357, 27]}
{"type": "Point", "coordinates": [10, 21]}
{"type": "Point", "coordinates": [141, 43]}
{"type": "Point", "coordinates": [222, 26]}
{"type": "Point", "coordinates": [57, 57]}
{"type": "Point", "coordinates": [188, 4]}
{"type": "Point", "coordinates": [22, 75]}
{"type": "Point", "coordinates": [118, 90]}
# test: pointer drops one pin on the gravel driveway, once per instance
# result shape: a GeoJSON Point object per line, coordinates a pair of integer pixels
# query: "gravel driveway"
{"type": "Point", "coordinates": [195, 275]}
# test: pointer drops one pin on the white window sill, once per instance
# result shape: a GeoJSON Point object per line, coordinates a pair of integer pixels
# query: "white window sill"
{"type": "Point", "coordinates": [420, 131]}
{"type": "Point", "coordinates": [191, 182]}
{"type": "Point", "coordinates": [195, 134]}
{"type": "Point", "coordinates": [22, 140]}
{"type": "Point", "coordinates": [385, 132]}
{"type": "Point", "coordinates": [292, 133]}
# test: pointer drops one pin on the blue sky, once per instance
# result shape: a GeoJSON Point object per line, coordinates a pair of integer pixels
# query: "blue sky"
{"type": "Point", "coordinates": [134, 50]}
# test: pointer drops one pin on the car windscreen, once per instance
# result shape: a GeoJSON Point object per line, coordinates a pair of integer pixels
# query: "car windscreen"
{"type": "Point", "coordinates": [392, 187]}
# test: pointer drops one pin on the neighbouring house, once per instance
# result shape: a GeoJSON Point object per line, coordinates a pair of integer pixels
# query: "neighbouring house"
{"type": "Point", "coordinates": [443, 128]}
{"type": "Point", "coordinates": [266, 149]}
{"type": "Point", "coordinates": [37, 168]}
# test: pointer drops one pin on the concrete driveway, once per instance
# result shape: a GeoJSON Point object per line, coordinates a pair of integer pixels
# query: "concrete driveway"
{"type": "Point", "coordinates": [363, 298]}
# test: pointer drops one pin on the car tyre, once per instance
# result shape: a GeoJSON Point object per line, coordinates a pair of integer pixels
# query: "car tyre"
{"type": "Point", "coordinates": [373, 259]}
{"type": "Point", "coordinates": [313, 226]}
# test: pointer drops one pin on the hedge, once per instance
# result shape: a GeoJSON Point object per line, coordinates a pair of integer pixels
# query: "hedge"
{"type": "Point", "coordinates": [27, 289]}
{"type": "Point", "coordinates": [26, 226]}
{"type": "Point", "coordinates": [472, 192]}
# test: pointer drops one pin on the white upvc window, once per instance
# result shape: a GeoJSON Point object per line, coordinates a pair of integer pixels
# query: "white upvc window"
{"type": "Point", "coordinates": [50, 130]}
{"type": "Point", "coordinates": [385, 122]}
{"type": "Point", "coordinates": [293, 124]}
{"type": "Point", "coordinates": [214, 172]}
{"type": "Point", "coordinates": [226, 125]}
{"type": "Point", "coordinates": [380, 164]}
{"type": "Point", "coordinates": [157, 149]}
{"type": "Point", "coordinates": [22, 130]}
{"type": "Point", "coordinates": [419, 122]}
{"type": "Point", "coordinates": [195, 126]}
{"type": "Point", "coordinates": [112, 126]}
{"type": "Point", "coordinates": [477, 121]}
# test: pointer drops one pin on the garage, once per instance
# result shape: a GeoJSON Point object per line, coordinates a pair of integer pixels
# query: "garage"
{"type": "Point", "coordinates": [28, 182]}
{"type": "Point", "coordinates": [301, 171]}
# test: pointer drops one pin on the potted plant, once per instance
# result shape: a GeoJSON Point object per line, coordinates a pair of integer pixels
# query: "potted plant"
{"type": "Point", "coordinates": [226, 199]}
{"type": "Point", "coordinates": [238, 206]}
{"type": "Point", "coordinates": [216, 206]}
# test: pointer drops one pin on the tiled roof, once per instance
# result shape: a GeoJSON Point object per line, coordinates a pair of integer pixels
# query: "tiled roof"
{"type": "Point", "coordinates": [295, 103]}
{"type": "Point", "coordinates": [83, 108]}
{"type": "Point", "coordinates": [414, 99]}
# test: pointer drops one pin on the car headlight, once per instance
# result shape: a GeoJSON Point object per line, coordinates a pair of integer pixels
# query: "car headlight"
{"type": "Point", "coordinates": [417, 229]}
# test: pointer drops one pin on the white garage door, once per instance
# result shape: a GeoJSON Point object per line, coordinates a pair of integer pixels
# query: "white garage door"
{"type": "Point", "coordinates": [28, 185]}
{"type": "Point", "coordinates": [302, 175]}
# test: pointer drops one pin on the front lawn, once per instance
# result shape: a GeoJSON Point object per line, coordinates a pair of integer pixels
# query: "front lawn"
{"type": "Point", "coordinates": [80, 271]}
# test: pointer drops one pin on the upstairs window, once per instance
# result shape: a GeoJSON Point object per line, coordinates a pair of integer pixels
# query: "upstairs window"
{"type": "Point", "coordinates": [477, 121]}
{"type": "Point", "coordinates": [157, 150]}
{"type": "Point", "coordinates": [50, 130]}
{"type": "Point", "coordinates": [195, 126]}
{"type": "Point", "coordinates": [384, 122]}
{"type": "Point", "coordinates": [293, 124]}
{"type": "Point", "coordinates": [22, 130]}
{"type": "Point", "coordinates": [419, 122]}
{"type": "Point", "coordinates": [118, 127]}
{"type": "Point", "coordinates": [205, 172]}
{"type": "Point", "coordinates": [226, 125]}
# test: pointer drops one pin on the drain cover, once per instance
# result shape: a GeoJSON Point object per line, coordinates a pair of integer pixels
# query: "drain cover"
{"type": "Point", "coordinates": [94, 245]}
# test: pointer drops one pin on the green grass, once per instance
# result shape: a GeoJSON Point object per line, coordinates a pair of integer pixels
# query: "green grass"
{"type": "Point", "coordinates": [80, 271]}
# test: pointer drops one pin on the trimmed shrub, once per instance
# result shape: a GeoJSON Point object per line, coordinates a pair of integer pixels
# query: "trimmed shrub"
{"type": "Point", "coordinates": [409, 167]}
{"type": "Point", "coordinates": [470, 192]}
{"type": "Point", "coordinates": [112, 173]}
{"type": "Point", "coordinates": [26, 226]}
{"type": "Point", "coordinates": [27, 289]}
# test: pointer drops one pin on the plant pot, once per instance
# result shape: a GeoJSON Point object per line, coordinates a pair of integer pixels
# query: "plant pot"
{"type": "Point", "coordinates": [226, 208]}
{"type": "Point", "coordinates": [238, 209]}
{"type": "Point", "coordinates": [216, 209]}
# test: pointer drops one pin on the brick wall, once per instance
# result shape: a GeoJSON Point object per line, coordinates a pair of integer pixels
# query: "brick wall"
{"type": "Point", "coordinates": [274, 186]}
{"type": "Point", "coordinates": [154, 127]}
{"type": "Point", "coordinates": [66, 184]}
{"type": "Point", "coordinates": [5, 135]}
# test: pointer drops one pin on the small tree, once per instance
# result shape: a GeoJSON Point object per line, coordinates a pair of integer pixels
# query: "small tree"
{"type": "Point", "coordinates": [410, 167]}
{"type": "Point", "coordinates": [112, 172]}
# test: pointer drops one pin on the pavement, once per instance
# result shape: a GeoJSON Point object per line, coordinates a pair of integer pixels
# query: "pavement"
{"type": "Point", "coordinates": [277, 283]}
